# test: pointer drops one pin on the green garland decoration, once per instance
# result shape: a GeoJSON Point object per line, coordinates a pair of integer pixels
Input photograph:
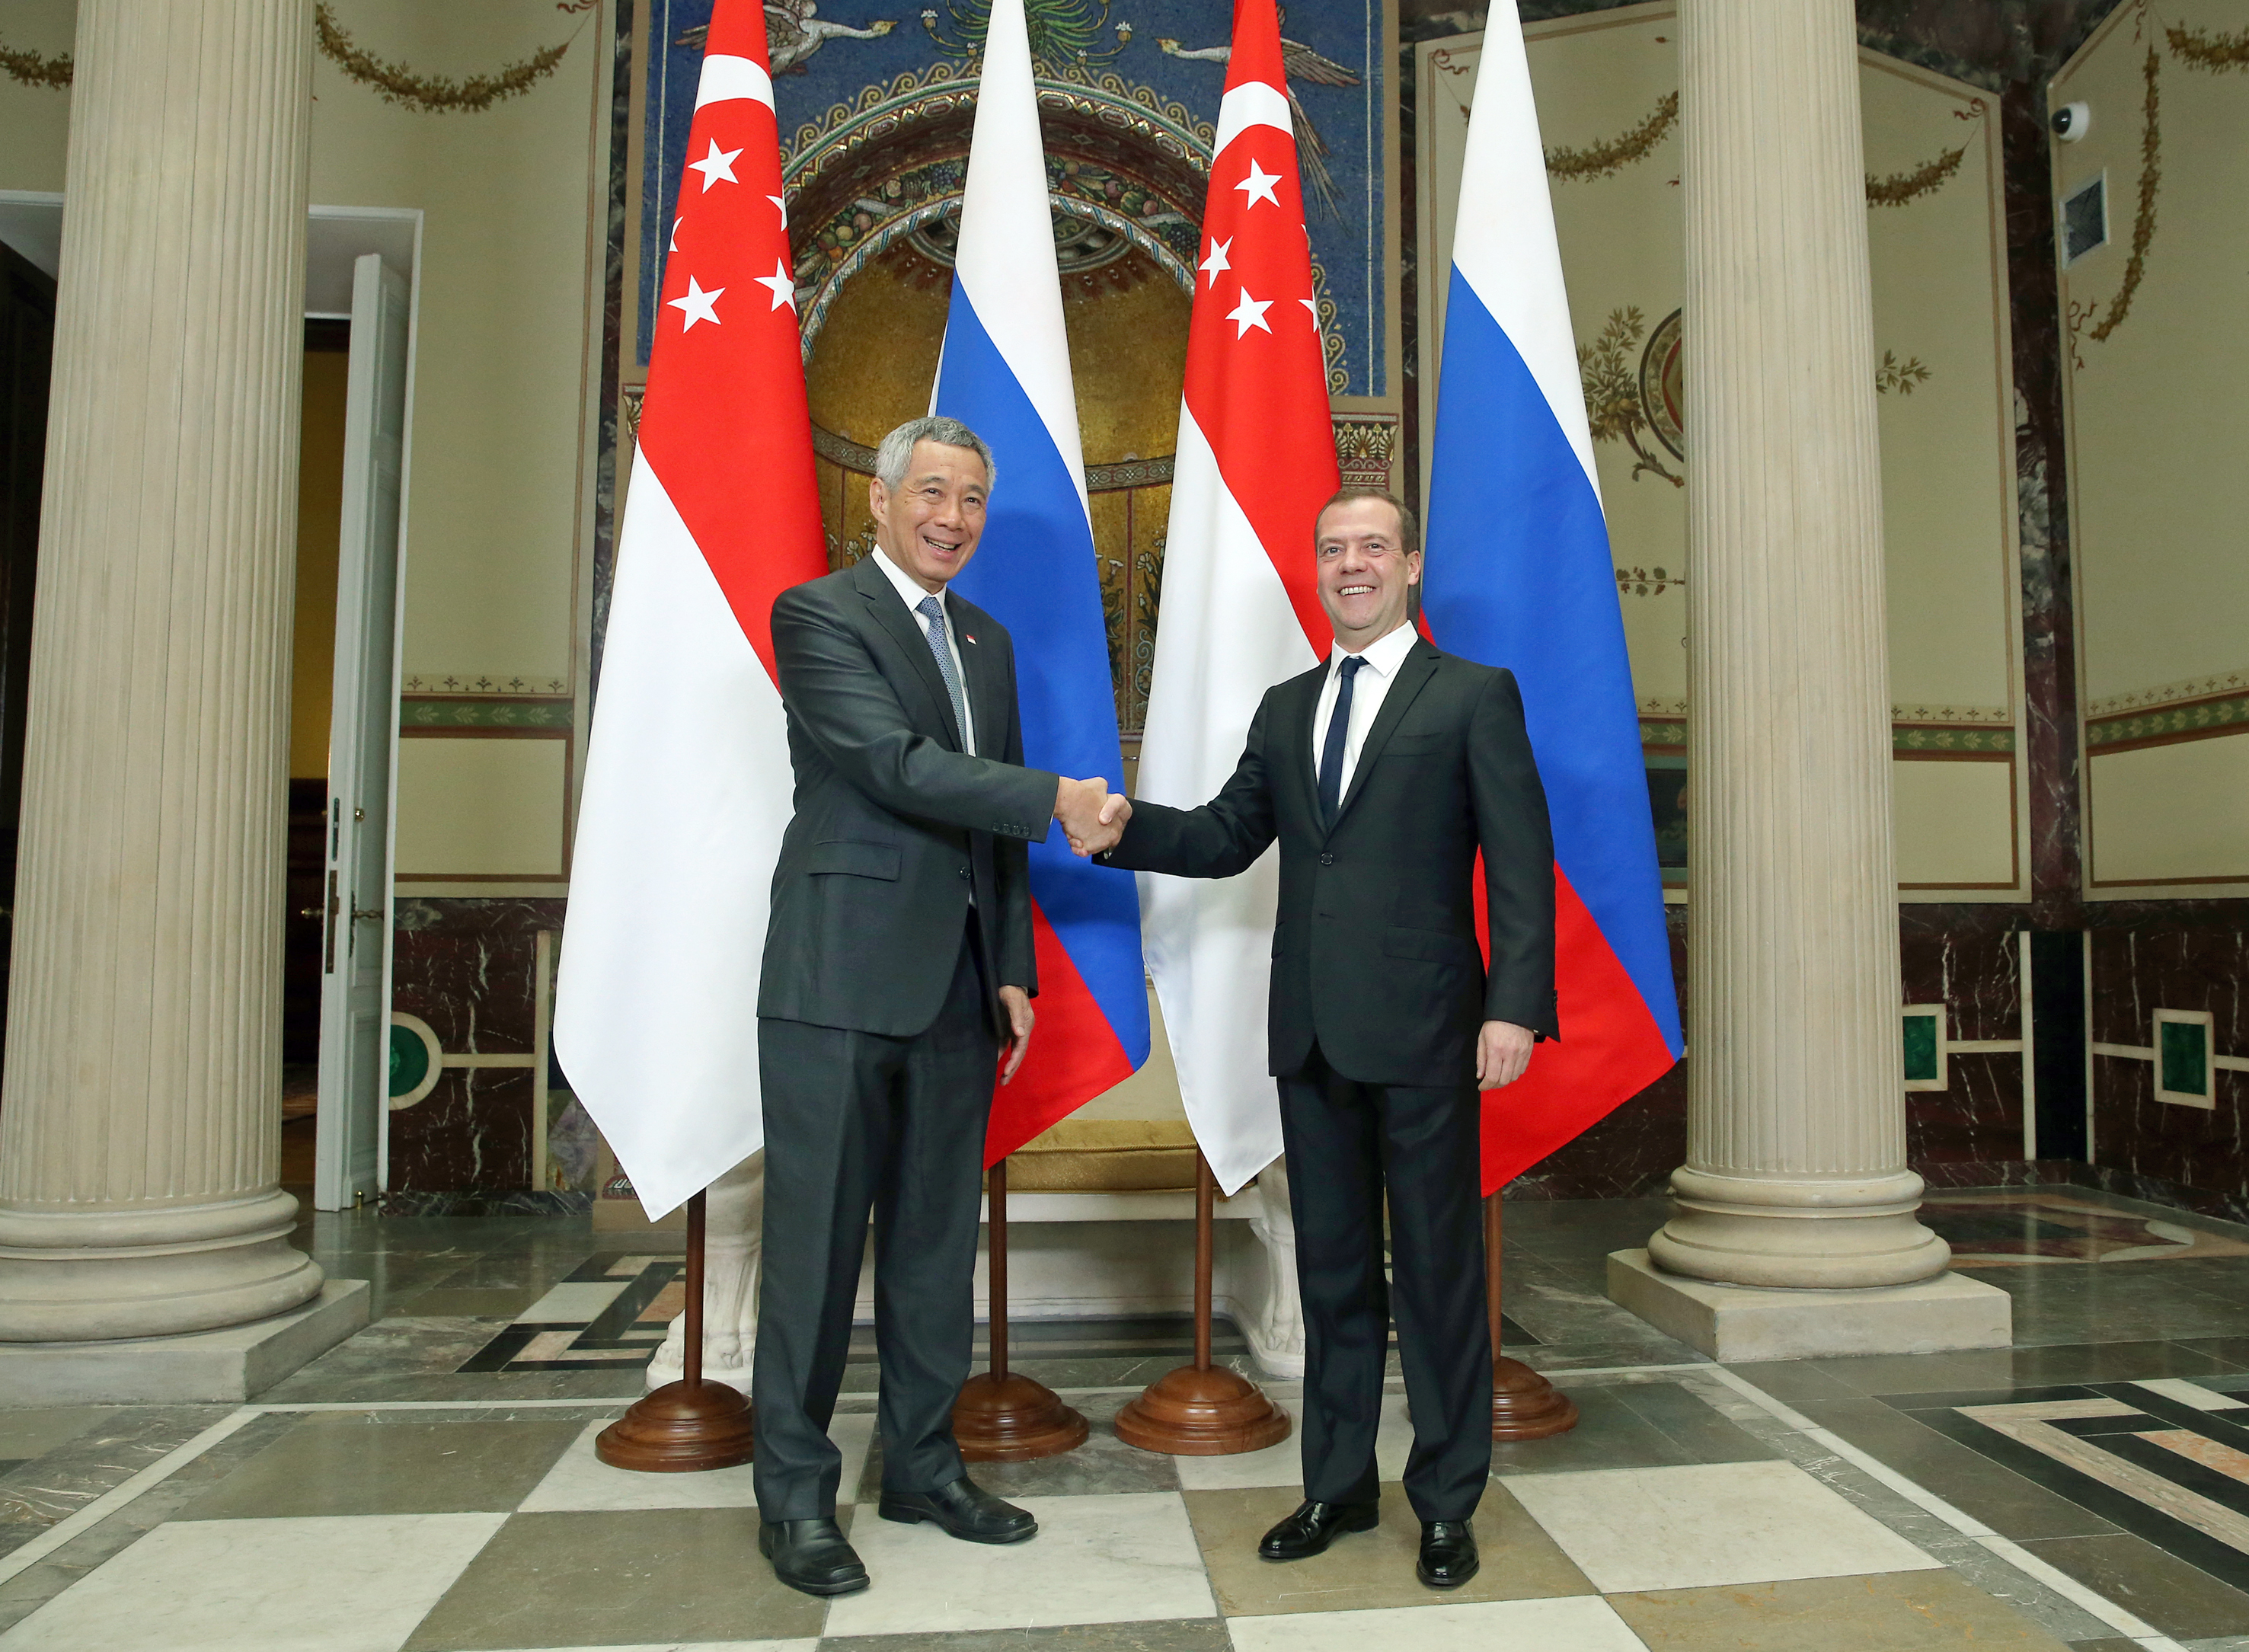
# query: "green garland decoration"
{"type": "Point", "coordinates": [393, 82]}
{"type": "Point", "coordinates": [1899, 187]}
{"type": "Point", "coordinates": [29, 68]}
{"type": "Point", "coordinates": [1607, 159]}
{"type": "Point", "coordinates": [440, 94]}
{"type": "Point", "coordinates": [2215, 52]}
{"type": "Point", "coordinates": [2144, 222]}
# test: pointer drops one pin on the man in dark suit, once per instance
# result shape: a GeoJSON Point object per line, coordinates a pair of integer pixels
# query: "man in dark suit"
{"type": "Point", "coordinates": [1383, 772]}
{"type": "Point", "coordinates": [898, 963]}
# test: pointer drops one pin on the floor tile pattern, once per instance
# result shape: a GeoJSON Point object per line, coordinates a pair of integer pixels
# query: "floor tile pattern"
{"type": "Point", "coordinates": [433, 1484]}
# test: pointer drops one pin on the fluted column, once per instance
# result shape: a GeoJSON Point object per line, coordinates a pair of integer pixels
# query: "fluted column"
{"type": "Point", "coordinates": [1796, 1172]}
{"type": "Point", "coordinates": [139, 1123]}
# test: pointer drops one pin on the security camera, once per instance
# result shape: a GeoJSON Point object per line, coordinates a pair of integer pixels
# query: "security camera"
{"type": "Point", "coordinates": [2071, 121]}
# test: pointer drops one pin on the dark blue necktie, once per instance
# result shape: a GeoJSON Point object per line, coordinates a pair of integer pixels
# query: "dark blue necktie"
{"type": "Point", "coordinates": [1331, 753]}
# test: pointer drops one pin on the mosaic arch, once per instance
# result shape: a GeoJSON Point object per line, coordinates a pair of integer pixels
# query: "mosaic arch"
{"type": "Point", "coordinates": [1126, 169]}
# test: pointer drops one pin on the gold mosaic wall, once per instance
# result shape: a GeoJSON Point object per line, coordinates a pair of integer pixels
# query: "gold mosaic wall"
{"type": "Point", "coordinates": [874, 363]}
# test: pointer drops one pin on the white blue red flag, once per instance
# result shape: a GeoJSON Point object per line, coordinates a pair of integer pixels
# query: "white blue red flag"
{"type": "Point", "coordinates": [1241, 611]}
{"type": "Point", "coordinates": [1519, 574]}
{"type": "Point", "coordinates": [687, 773]}
{"type": "Point", "coordinates": [1005, 374]}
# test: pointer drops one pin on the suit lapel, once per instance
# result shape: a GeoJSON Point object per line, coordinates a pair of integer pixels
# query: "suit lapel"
{"type": "Point", "coordinates": [981, 678]}
{"type": "Point", "coordinates": [1413, 674]}
{"type": "Point", "coordinates": [890, 614]}
{"type": "Point", "coordinates": [1300, 746]}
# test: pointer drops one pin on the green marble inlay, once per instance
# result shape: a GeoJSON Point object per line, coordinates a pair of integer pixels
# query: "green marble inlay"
{"type": "Point", "coordinates": [2213, 715]}
{"type": "Point", "coordinates": [1919, 1048]}
{"type": "Point", "coordinates": [409, 1061]}
{"type": "Point", "coordinates": [2184, 1053]}
{"type": "Point", "coordinates": [451, 712]}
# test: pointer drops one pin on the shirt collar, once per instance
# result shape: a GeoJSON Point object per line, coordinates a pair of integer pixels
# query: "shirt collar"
{"type": "Point", "coordinates": [908, 589]}
{"type": "Point", "coordinates": [1385, 655]}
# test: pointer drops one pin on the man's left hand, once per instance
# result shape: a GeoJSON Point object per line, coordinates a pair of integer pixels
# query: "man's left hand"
{"type": "Point", "coordinates": [1017, 1003]}
{"type": "Point", "coordinates": [1502, 1051]}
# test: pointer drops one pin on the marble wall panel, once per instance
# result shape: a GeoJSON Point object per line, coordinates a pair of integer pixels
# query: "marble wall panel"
{"type": "Point", "coordinates": [468, 967]}
{"type": "Point", "coordinates": [2170, 955]}
{"type": "Point", "coordinates": [472, 1133]}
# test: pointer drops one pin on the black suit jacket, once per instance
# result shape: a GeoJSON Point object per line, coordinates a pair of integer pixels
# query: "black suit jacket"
{"type": "Point", "coordinates": [1375, 953]}
{"type": "Point", "coordinates": [894, 824]}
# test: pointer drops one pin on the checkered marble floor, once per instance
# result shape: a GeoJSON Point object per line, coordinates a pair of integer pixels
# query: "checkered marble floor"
{"type": "Point", "coordinates": [431, 1483]}
{"type": "Point", "coordinates": [1691, 1510]}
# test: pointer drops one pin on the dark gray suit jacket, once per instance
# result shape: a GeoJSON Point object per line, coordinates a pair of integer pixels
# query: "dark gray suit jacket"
{"type": "Point", "coordinates": [1375, 955]}
{"type": "Point", "coordinates": [894, 824]}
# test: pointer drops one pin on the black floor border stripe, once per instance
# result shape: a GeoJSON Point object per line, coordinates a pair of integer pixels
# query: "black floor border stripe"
{"type": "Point", "coordinates": [2176, 1539]}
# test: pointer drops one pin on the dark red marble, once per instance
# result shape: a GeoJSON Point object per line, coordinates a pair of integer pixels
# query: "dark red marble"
{"type": "Point", "coordinates": [473, 1132]}
{"type": "Point", "coordinates": [467, 966]}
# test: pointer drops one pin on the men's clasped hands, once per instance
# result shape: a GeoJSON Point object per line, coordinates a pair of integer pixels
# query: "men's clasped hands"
{"type": "Point", "coordinates": [1092, 817]}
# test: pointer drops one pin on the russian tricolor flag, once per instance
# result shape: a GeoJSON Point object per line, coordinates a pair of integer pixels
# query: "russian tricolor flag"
{"type": "Point", "coordinates": [1519, 574]}
{"type": "Point", "coordinates": [1005, 374]}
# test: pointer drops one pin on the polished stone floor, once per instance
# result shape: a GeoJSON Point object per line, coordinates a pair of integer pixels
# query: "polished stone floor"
{"type": "Point", "coordinates": [431, 1483]}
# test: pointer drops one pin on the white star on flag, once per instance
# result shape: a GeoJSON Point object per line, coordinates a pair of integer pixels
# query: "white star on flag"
{"type": "Point", "coordinates": [1248, 313]}
{"type": "Point", "coordinates": [780, 284]}
{"type": "Point", "coordinates": [699, 305]}
{"type": "Point", "coordinates": [674, 245]}
{"type": "Point", "coordinates": [1310, 309]}
{"type": "Point", "coordinates": [1258, 186]}
{"type": "Point", "coordinates": [780, 206]}
{"type": "Point", "coordinates": [1216, 261]}
{"type": "Point", "coordinates": [715, 166]}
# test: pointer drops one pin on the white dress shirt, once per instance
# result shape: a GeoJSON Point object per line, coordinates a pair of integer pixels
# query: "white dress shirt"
{"type": "Point", "coordinates": [910, 593]}
{"type": "Point", "coordinates": [1378, 668]}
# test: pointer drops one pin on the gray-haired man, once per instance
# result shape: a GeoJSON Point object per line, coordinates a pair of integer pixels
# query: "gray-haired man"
{"type": "Point", "coordinates": [898, 964]}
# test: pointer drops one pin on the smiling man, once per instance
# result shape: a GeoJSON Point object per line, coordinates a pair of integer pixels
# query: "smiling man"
{"type": "Point", "coordinates": [898, 965]}
{"type": "Point", "coordinates": [1384, 771]}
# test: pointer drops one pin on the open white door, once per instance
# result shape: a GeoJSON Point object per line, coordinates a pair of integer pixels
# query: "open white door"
{"type": "Point", "coordinates": [354, 1020]}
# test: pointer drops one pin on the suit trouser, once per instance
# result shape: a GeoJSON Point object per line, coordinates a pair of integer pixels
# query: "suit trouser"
{"type": "Point", "coordinates": [856, 1121]}
{"type": "Point", "coordinates": [1345, 1141]}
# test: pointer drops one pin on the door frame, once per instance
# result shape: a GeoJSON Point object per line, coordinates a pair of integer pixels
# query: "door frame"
{"type": "Point", "coordinates": [336, 237]}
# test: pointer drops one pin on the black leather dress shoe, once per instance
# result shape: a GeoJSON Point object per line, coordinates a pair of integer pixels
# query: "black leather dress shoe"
{"type": "Point", "coordinates": [1314, 1525]}
{"type": "Point", "coordinates": [1448, 1554]}
{"type": "Point", "coordinates": [812, 1555]}
{"type": "Point", "coordinates": [964, 1510]}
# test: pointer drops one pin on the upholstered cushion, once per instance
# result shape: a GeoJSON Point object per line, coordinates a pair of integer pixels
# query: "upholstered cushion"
{"type": "Point", "coordinates": [1105, 1155]}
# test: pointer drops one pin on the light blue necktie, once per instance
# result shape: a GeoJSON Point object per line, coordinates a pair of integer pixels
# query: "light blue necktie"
{"type": "Point", "coordinates": [934, 610]}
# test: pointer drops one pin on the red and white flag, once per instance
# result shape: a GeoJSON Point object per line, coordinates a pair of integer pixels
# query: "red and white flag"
{"type": "Point", "coordinates": [687, 787]}
{"type": "Point", "coordinates": [1256, 461]}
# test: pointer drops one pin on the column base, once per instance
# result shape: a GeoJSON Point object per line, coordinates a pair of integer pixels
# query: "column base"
{"type": "Point", "coordinates": [230, 1364]}
{"type": "Point", "coordinates": [1812, 1233]}
{"type": "Point", "coordinates": [139, 1271]}
{"type": "Point", "coordinates": [1732, 1322]}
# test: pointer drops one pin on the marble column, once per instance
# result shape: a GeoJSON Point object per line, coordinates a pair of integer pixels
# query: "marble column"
{"type": "Point", "coordinates": [140, 1132]}
{"type": "Point", "coordinates": [1796, 1172]}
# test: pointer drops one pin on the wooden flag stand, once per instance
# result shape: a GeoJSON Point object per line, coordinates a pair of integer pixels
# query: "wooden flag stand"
{"type": "Point", "coordinates": [1002, 1415]}
{"type": "Point", "coordinates": [1524, 1405]}
{"type": "Point", "coordinates": [690, 1424]}
{"type": "Point", "coordinates": [1202, 1410]}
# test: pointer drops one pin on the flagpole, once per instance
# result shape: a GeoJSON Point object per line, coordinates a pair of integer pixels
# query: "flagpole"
{"type": "Point", "coordinates": [1002, 1415]}
{"type": "Point", "coordinates": [1524, 1405]}
{"type": "Point", "coordinates": [1202, 1410]}
{"type": "Point", "coordinates": [690, 1424]}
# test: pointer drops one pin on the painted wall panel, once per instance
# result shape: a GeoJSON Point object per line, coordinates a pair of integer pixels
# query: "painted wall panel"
{"type": "Point", "coordinates": [473, 807]}
{"type": "Point", "coordinates": [2172, 814]}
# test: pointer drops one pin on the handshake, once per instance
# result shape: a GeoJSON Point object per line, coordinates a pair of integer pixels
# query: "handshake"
{"type": "Point", "coordinates": [1092, 817]}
